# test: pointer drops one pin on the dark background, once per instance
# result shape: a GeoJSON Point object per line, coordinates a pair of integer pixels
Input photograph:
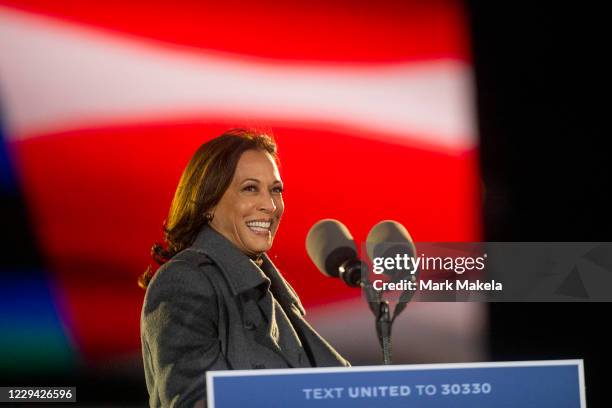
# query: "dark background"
{"type": "Point", "coordinates": [545, 164]}
{"type": "Point", "coordinates": [540, 82]}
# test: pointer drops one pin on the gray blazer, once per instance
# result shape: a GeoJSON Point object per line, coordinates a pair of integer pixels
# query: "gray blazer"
{"type": "Point", "coordinates": [212, 308]}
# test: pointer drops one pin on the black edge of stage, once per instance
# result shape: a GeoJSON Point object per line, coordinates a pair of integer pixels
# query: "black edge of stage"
{"type": "Point", "coordinates": [540, 79]}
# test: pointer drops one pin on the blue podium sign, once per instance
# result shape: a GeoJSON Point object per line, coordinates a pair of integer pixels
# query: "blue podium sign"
{"type": "Point", "coordinates": [541, 384]}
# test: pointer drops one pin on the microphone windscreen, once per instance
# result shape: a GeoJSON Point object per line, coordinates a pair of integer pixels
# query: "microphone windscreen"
{"type": "Point", "coordinates": [329, 244]}
{"type": "Point", "coordinates": [388, 239]}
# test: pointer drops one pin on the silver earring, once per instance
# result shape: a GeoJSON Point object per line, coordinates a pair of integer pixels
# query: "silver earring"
{"type": "Point", "coordinates": [209, 217]}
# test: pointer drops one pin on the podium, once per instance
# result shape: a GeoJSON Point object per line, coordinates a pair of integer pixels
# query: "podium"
{"type": "Point", "coordinates": [541, 384]}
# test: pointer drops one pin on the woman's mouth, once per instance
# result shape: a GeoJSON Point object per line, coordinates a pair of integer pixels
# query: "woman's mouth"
{"type": "Point", "coordinates": [259, 227]}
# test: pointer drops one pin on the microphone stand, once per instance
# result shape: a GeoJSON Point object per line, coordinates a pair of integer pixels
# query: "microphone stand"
{"type": "Point", "coordinates": [381, 311]}
{"type": "Point", "coordinates": [352, 273]}
{"type": "Point", "coordinates": [383, 328]}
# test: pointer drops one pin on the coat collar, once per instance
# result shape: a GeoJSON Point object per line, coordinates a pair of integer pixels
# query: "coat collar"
{"type": "Point", "coordinates": [241, 272]}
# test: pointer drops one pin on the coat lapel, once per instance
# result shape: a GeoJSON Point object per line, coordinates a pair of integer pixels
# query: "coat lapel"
{"type": "Point", "coordinates": [246, 281]}
{"type": "Point", "coordinates": [320, 352]}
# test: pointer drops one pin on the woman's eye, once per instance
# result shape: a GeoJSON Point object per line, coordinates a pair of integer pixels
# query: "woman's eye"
{"type": "Point", "coordinates": [277, 190]}
{"type": "Point", "coordinates": [250, 188]}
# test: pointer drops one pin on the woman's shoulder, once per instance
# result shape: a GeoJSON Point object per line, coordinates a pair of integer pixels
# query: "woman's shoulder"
{"type": "Point", "coordinates": [186, 274]}
{"type": "Point", "coordinates": [179, 297]}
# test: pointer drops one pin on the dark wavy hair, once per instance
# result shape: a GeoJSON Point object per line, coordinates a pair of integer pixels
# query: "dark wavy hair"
{"type": "Point", "coordinates": [203, 182]}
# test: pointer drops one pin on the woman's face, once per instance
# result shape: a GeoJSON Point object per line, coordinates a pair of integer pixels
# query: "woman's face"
{"type": "Point", "coordinates": [250, 210]}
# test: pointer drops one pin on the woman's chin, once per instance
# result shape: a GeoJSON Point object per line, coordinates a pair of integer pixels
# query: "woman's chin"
{"type": "Point", "coordinates": [260, 244]}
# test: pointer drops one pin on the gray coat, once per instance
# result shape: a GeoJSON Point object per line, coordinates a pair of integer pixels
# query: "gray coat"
{"type": "Point", "coordinates": [212, 308]}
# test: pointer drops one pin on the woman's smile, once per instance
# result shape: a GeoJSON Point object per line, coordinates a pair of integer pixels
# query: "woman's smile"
{"type": "Point", "coordinates": [250, 210]}
{"type": "Point", "coordinates": [260, 227]}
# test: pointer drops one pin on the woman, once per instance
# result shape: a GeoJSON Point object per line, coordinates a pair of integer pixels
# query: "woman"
{"type": "Point", "coordinates": [218, 302]}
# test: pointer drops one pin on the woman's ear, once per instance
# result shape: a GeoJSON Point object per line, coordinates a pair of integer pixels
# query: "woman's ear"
{"type": "Point", "coordinates": [210, 214]}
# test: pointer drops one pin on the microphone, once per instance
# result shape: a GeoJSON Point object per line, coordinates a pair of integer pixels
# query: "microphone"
{"type": "Point", "coordinates": [389, 239]}
{"type": "Point", "coordinates": [332, 249]}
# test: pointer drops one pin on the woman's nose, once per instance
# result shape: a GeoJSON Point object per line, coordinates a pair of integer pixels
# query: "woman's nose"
{"type": "Point", "coordinates": [267, 204]}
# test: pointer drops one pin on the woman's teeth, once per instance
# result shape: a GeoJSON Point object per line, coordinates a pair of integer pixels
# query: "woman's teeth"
{"type": "Point", "coordinates": [259, 226]}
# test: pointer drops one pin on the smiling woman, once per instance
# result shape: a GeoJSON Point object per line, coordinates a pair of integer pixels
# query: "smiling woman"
{"type": "Point", "coordinates": [217, 302]}
{"type": "Point", "coordinates": [249, 212]}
